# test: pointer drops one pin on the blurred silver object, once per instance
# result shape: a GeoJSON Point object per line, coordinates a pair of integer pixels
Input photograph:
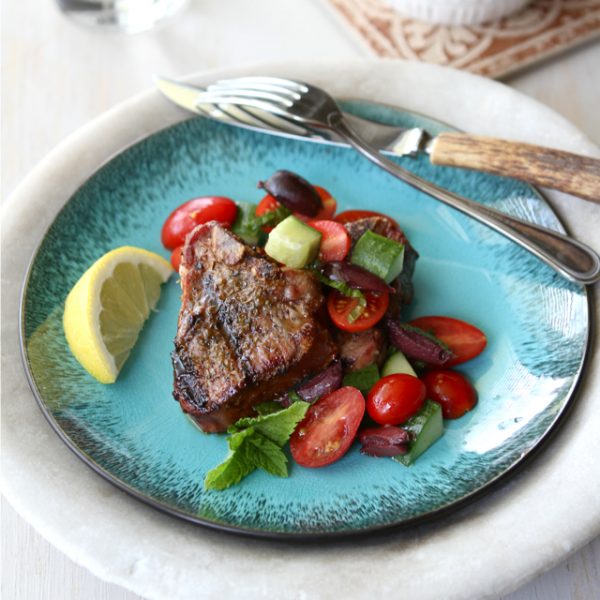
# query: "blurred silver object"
{"type": "Point", "coordinates": [127, 16]}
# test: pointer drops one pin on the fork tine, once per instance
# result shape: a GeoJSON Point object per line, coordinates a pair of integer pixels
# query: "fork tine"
{"type": "Point", "coordinates": [260, 118]}
{"type": "Point", "coordinates": [219, 96]}
{"type": "Point", "coordinates": [254, 88]}
{"type": "Point", "coordinates": [276, 82]}
{"type": "Point", "coordinates": [257, 88]}
{"type": "Point", "coordinates": [213, 111]}
{"type": "Point", "coordinates": [253, 117]}
{"type": "Point", "coordinates": [219, 100]}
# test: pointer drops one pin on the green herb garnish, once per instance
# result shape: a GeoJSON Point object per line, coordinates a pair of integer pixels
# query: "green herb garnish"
{"type": "Point", "coordinates": [363, 379]}
{"type": "Point", "coordinates": [248, 225]}
{"type": "Point", "coordinates": [257, 442]}
{"type": "Point", "coordinates": [344, 289]}
{"type": "Point", "coordinates": [266, 408]}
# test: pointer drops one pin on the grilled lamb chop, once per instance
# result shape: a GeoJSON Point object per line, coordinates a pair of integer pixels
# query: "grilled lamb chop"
{"type": "Point", "coordinates": [387, 228]}
{"type": "Point", "coordinates": [361, 349]}
{"type": "Point", "coordinates": [248, 328]}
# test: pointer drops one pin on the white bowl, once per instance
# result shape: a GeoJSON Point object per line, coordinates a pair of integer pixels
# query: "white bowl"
{"type": "Point", "coordinates": [458, 12]}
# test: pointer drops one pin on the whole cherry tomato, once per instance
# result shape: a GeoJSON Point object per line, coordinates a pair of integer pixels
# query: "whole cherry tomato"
{"type": "Point", "coordinates": [339, 308]}
{"type": "Point", "coordinates": [328, 429]}
{"type": "Point", "coordinates": [194, 212]}
{"type": "Point", "coordinates": [464, 340]}
{"type": "Point", "coordinates": [335, 240]}
{"type": "Point", "coordinates": [452, 390]}
{"type": "Point", "coordinates": [395, 398]}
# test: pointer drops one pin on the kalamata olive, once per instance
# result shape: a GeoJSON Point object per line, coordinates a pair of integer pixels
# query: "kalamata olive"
{"type": "Point", "coordinates": [356, 277]}
{"type": "Point", "coordinates": [418, 344]}
{"type": "Point", "coordinates": [384, 441]}
{"type": "Point", "coordinates": [324, 383]}
{"type": "Point", "coordinates": [294, 192]}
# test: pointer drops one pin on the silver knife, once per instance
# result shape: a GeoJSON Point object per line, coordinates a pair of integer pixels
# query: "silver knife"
{"type": "Point", "coordinates": [556, 169]}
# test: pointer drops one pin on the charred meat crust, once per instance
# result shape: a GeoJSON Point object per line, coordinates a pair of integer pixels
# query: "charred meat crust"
{"type": "Point", "coordinates": [361, 349]}
{"type": "Point", "coordinates": [248, 329]}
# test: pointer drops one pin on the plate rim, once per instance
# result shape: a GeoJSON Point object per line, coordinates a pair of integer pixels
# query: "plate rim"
{"type": "Point", "coordinates": [304, 536]}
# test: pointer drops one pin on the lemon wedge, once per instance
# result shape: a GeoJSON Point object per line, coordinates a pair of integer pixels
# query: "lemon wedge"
{"type": "Point", "coordinates": [106, 309]}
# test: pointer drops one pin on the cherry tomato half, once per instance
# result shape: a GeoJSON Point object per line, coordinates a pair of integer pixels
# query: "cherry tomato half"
{"type": "Point", "coordinates": [465, 340]}
{"type": "Point", "coordinates": [452, 390]}
{"type": "Point", "coordinates": [340, 306]}
{"type": "Point", "coordinates": [328, 429]}
{"type": "Point", "coordinates": [395, 398]}
{"type": "Point", "coordinates": [347, 216]}
{"type": "Point", "coordinates": [176, 258]}
{"type": "Point", "coordinates": [335, 243]}
{"type": "Point", "coordinates": [194, 212]}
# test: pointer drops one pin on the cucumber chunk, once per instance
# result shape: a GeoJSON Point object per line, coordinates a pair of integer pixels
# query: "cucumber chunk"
{"type": "Point", "coordinates": [293, 243]}
{"type": "Point", "coordinates": [380, 255]}
{"type": "Point", "coordinates": [397, 363]}
{"type": "Point", "coordinates": [363, 379]}
{"type": "Point", "coordinates": [426, 427]}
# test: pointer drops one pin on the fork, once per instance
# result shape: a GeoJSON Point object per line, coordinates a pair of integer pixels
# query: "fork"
{"type": "Point", "coordinates": [311, 108]}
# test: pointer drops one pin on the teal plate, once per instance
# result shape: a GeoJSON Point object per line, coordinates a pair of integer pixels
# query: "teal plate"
{"type": "Point", "coordinates": [134, 433]}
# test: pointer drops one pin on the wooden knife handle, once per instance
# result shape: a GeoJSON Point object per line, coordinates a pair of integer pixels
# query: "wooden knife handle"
{"type": "Point", "coordinates": [571, 173]}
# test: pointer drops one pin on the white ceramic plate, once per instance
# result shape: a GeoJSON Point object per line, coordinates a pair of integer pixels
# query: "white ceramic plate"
{"type": "Point", "coordinates": [488, 548]}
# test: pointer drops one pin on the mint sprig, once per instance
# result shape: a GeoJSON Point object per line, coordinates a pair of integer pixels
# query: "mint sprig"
{"type": "Point", "coordinates": [257, 443]}
{"type": "Point", "coordinates": [346, 290]}
{"type": "Point", "coordinates": [277, 426]}
{"type": "Point", "coordinates": [248, 225]}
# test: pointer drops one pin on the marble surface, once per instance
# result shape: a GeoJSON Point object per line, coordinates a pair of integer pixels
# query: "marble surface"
{"type": "Point", "coordinates": [38, 56]}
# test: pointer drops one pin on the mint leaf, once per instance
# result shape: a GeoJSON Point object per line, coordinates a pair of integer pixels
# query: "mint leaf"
{"type": "Point", "coordinates": [346, 290]}
{"type": "Point", "coordinates": [266, 408]}
{"type": "Point", "coordinates": [256, 443]}
{"type": "Point", "coordinates": [294, 396]}
{"type": "Point", "coordinates": [277, 426]}
{"type": "Point", "coordinates": [236, 440]}
{"type": "Point", "coordinates": [363, 379]}
{"type": "Point", "coordinates": [246, 224]}
{"type": "Point", "coordinates": [229, 472]}
{"type": "Point", "coordinates": [267, 455]}
{"type": "Point", "coordinates": [275, 216]}
{"type": "Point", "coordinates": [249, 450]}
{"type": "Point", "coordinates": [235, 467]}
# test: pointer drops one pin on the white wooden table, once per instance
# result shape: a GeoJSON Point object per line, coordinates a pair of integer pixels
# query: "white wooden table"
{"type": "Point", "coordinates": [57, 76]}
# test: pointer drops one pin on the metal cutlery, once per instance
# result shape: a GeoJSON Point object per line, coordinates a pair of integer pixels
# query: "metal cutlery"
{"type": "Point", "coordinates": [301, 109]}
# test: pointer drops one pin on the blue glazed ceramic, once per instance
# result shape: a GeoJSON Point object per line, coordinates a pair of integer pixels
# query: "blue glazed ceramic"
{"type": "Point", "coordinates": [134, 433]}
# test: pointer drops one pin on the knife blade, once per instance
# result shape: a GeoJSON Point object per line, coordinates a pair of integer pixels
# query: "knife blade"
{"type": "Point", "coordinates": [391, 140]}
{"type": "Point", "coordinates": [572, 173]}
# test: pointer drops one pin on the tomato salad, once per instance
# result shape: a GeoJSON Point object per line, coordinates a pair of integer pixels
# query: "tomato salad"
{"type": "Point", "coordinates": [394, 406]}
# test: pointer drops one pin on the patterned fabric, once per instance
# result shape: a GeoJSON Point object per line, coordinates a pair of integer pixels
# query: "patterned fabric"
{"type": "Point", "coordinates": [495, 49]}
